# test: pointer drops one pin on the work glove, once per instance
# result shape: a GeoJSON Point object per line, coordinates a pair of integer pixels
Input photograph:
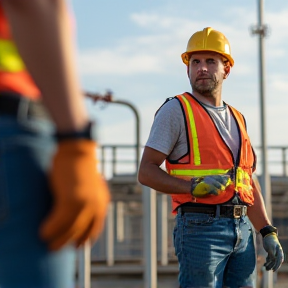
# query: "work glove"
{"type": "Point", "coordinates": [209, 185]}
{"type": "Point", "coordinates": [81, 196]}
{"type": "Point", "coordinates": [275, 255]}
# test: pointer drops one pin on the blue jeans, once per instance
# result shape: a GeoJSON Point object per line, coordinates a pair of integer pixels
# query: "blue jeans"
{"type": "Point", "coordinates": [26, 147]}
{"type": "Point", "coordinates": [214, 252]}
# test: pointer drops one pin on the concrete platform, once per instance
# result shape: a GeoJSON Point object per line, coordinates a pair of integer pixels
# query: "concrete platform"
{"type": "Point", "coordinates": [163, 282]}
{"type": "Point", "coordinates": [131, 276]}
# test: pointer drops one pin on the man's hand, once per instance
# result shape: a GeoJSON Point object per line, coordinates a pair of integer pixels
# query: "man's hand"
{"type": "Point", "coordinates": [81, 196]}
{"type": "Point", "coordinates": [209, 185]}
{"type": "Point", "coordinates": [275, 253]}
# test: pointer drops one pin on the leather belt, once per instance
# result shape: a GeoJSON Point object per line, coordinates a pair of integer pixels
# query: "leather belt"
{"type": "Point", "coordinates": [17, 106]}
{"type": "Point", "coordinates": [228, 211]}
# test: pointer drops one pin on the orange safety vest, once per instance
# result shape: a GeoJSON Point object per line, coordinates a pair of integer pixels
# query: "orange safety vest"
{"type": "Point", "coordinates": [209, 155]}
{"type": "Point", "coordinates": [13, 75]}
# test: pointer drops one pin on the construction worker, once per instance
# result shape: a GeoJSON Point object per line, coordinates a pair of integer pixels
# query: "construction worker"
{"type": "Point", "coordinates": [209, 161]}
{"type": "Point", "coordinates": [52, 198]}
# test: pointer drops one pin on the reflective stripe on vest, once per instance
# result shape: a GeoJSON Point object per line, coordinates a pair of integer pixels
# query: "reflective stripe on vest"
{"type": "Point", "coordinates": [191, 121]}
{"type": "Point", "coordinates": [198, 172]}
{"type": "Point", "coordinates": [10, 60]}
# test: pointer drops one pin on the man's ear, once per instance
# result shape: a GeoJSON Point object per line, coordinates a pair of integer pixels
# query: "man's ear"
{"type": "Point", "coordinates": [227, 70]}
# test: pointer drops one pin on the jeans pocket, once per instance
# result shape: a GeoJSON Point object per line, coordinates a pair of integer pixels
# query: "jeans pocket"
{"type": "Point", "coordinates": [198, 218]}
{"type": "Point", "coordinates": [197, 221]}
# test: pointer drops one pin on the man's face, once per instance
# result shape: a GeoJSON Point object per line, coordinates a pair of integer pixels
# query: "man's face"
{"type": "Point", "coordinates": [206, 72]}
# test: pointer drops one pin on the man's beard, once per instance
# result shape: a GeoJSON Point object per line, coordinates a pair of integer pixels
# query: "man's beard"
{"type": "Point", "coordinates": [205, 89]}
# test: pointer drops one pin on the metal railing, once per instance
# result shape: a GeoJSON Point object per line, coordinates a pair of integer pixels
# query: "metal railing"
{"type": "Point", "coordinates": [138, 234]}
{"type": "Point", "coordinates": [122, 159]}
{"type": "Point", "coordinates": [125, 240]}
{"type": "Point", "coordinates": [277, 160]}
{"type": "Point", "coordinates": [116, 158]}
{"type": "Point", "coordinates": [126, 217]}
{"type": "Point", "coordinates": [123, 237]}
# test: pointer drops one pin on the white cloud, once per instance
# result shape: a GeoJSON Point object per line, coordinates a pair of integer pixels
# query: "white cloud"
{"type": "Point", "coordinates": [116, 61]}
{"type": "Point", "coordinates": [279, 85]}
{"type": "Point", "coordinates": [154, 21]}
{"type": "Point", "coordinates": [156, 51]}
{"type": "Point", "coordinates": [164, 38]}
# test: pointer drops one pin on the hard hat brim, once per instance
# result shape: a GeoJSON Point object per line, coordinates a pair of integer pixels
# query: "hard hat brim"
{"type": "Point", "coordinates": [186, 56]}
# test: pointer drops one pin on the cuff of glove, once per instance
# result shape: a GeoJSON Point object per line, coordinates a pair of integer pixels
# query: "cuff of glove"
{"type": "Point", "coordinates": [267, 230]}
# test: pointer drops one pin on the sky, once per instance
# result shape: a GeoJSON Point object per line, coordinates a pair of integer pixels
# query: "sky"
{"type": "Point", "coordinates": [133, 49]}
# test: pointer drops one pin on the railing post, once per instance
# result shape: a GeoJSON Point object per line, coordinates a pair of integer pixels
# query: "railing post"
{"type": "Point", "coordinates": [284, 161]}
{"type": "Point", "coordinates": [137, 128]}
{"type": "Point", "coordinates": [110, 235]}
{"type": "Point", "coordinates": [84, 266]}
{"type": "Point", "coordinates": [150, 241]}
{"type": "Point", "coordinates": [103, 160]}
{"type": "Point", "coordinates": [120, 221]}
{"type": "Point", "coordinates": [114, 160]}
{"type": "Point", "coordinates": [163, 213]}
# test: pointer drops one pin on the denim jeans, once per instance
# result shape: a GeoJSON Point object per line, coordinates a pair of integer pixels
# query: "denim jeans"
{"type": "Point", "coordinates": [214, 252]}
{"type": "Point", "coordinates": [26, 147]}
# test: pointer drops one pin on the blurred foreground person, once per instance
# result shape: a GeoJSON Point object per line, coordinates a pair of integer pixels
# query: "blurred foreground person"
{"type": "Point", "coordinates": [209, 161]}
{"type": "Point", "coordinates": [52, 198]}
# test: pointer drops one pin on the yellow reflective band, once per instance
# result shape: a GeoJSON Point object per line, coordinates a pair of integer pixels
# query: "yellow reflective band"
{"type": "Point", "coordinates": [243, 179]}
{"type": "Point", "coordinates": [196, 152]}
{"type": "Point", "coordinates": [10, 60]}
{"type": "Point", "coordinates": [189, 172]}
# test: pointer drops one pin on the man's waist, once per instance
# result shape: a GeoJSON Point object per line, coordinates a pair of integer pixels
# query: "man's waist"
{"type": "Point", "coordinates": [217, 210]}
{"type": "Point", "coordinates": [13, 104]}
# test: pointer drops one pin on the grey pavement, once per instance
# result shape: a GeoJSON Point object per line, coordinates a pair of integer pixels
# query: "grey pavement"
{"type": "Point", "coordinates": [163, 282]}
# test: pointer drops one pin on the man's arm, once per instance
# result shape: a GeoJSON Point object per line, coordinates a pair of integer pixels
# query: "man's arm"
{"type": "Point", "coordinates": [257, 213]}
{"type": "Point", "coordinates": [258, 216]}
{"type": "Point", "coordinates": [151, 175]}
{"type": "Point", "coordinates": [42, 32]}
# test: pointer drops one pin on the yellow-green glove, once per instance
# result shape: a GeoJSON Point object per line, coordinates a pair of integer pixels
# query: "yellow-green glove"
{"type": "Point", "coordinates": [209, 185]}
{"type": "Point", "coordinates": [275, 255]}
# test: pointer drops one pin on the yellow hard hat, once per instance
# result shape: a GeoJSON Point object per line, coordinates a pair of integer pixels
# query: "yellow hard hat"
{"type": "Point", "coordinates": [208, 40]}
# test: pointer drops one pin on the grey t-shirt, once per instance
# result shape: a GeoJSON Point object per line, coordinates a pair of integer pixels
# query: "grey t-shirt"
{"type": "Point", "coordinates": [226, 125]}
{"type": "Point", "coordinates": [168, 132]}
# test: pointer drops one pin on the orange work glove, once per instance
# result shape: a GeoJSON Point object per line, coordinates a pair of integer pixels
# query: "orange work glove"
{"type": "Point", "coordinates": [81, 196]}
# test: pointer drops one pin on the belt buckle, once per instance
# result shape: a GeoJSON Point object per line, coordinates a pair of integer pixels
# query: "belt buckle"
{"type": "Point", "coordinates": [237, 211]}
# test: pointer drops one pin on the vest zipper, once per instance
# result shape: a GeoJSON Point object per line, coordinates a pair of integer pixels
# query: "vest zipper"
{"type": "Point", "coordinates": [235, 161]}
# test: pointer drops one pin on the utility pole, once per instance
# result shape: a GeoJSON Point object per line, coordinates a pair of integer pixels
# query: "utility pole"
{"type": "Point", "coordinates": [261, 31]}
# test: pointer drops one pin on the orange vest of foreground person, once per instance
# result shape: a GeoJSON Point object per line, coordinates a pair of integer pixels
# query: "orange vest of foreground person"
{"type": "Point", "coordinates": [13, 75]}
{"type": "Point", "coordinates": [208, 154]}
